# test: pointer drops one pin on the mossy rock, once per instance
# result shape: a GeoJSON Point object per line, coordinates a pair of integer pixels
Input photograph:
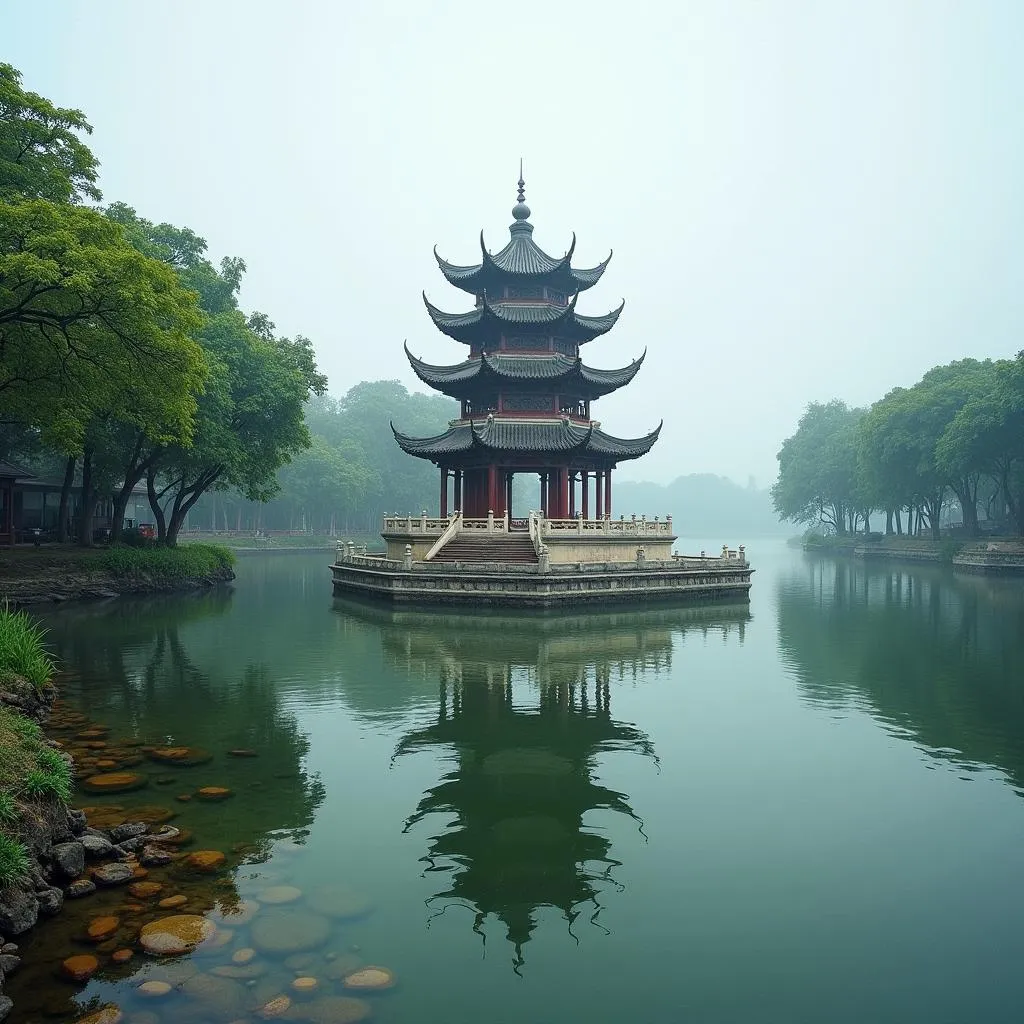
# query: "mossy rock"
{"type": "Point", "coordinates": [113, 782]}
{"type": "Point", "coordinates": [180, 933]}
{"type": "Point", "coordinates": [182, 757]}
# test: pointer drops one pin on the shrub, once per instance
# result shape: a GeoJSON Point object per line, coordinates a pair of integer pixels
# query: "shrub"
{"type": "Point", "coordinates": [167, 563]}
{"type": "Point", "coordinates": [13, 861]}
{"type": "Point", "coordinates": [22, 651]}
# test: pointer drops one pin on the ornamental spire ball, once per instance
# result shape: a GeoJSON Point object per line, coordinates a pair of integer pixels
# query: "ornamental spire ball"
{"type": "Point", "coordinates": [521, 211]}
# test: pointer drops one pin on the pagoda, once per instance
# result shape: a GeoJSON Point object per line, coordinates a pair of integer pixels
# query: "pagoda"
{"type": "Point", "coordinates": [525, 393]}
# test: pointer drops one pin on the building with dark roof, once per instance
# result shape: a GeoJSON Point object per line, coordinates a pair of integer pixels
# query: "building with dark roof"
{"type": "Point", "coordinates": [525, 392]}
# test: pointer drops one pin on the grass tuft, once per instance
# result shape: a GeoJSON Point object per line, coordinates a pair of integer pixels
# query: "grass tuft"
{"type": "Point", "coordinates": [8, 809]}
{"type": "Point", "coordinates": [22, 650]}
{"type": "Point", "coordinates": [13, 861]}
{"type": "Point", "coordinates": [167, 563]}
{"type": "Point", "coordinates": [43, 784]}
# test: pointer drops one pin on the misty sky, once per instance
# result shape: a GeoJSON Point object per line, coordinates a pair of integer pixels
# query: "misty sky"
{"type": "Point", "coordinates": [805, 199]}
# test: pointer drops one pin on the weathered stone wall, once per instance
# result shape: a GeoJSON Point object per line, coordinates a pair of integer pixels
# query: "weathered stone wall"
{"type": "Point", "coordinates": [568, 548]}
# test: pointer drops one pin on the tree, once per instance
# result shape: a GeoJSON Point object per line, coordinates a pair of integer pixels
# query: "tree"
{"type": "Point", "coordinates": [41, 154]}
{"type": "Point", "coordinates": [90, 326]}
{"type": "Point", "coordinates": [819, 479]}
{"type": "Point", "coordinates": [250, 421]}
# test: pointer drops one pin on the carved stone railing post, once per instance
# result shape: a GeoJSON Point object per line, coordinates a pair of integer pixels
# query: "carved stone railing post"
{"type": "Point", "coordinates": [490, 520]}
{"type": "Point", "coordinates": [339, 553]}
{"type": "Point", "coordinates": [579, 523]}
{"type": "Point", "coordinates": [544, 560]}
{"type": "Point", "coordinates": [423, 521]}
{"type": "Point", "coordinates": [407, 560]}
{"type": "Point", "coordinates": [743, 553]}
{"type": "Point", "coordinates": [725, 550]}
{"type": "Point", "coordinates": [351, 550]}
{"type": "Point", "coordinates": [641, 556]}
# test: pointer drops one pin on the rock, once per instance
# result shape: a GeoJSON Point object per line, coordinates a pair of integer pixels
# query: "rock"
{"type": "Point", "coordinates": [213, 794]}
{"type": "Point", "coordinates": [96, 846]}
{"type": "Point", "coordinates": [110, 1014]}
{"type": "Point", "coordinates": [151, 814]}
{"type": "Point", "coordinates": [277, 894]}
{"type": "Point", "coordinates": [128, 846]}
{"type": "Point", "coordinates": [184, 757]}
{"type": "Point", "coordinates": [144, 890]}
{"type": "Point", "coordinates": [112, 874]}
{"type": "Point", "coordinates": [275, 1008]}
{"type": "Point", "coordinates": [113, 782]}
{"type": "Point", "coordinates": [9, 963]}
{"type": "Point", "coordinates": [240, 972]}
{"type": "Point", "coordinates": [169, 835]}
{"type": "Point", "coordinates": [80, 967]}
{"type": "Point", "coordinates": [183, 798]}
{"type": "Point", "coordinates": [305, 985]}
{"type": "Point", "coordinates": [181, 933]}
{"type": "Point", "coordinates": [80, 887]}
{"type": "Point", "coordinates": [19, 911]}
{"type": "Point", "coordinates": [69, 859]}
{"type": "Point", "coordinates": [339, 967]}
{"type": "Point", "coordinates": [102, 928]}
{"type": "Point", "coordinates": [238, 913]}
{"type": "Point", "coordinates": [205, 861]}
{"type": "Point", "coordinates": [129, 830]}
{"type": "Point", "coordinates": [121, 956]}
{"type": "Point", "coordinates": [242, 752]}
{"type": "Point", "coordinates": [335, 1010]}
{"type": "Point", "coordinates": [155, 856]}
{"type": "Point", "coordinates": [341, 902]}
{"type": "Point", "coordinates": [9, 947]}
{"type": "Point", "coordinates": [153, 989]}
{"type": "Point", "coordinates": [50, 901]}
{"type": "Point", "coordinates": [170, 902]}
{"type": "Point", "coordinates": [370, 979]}
{"type": "Point", "coordinates": [6, 1005]}
{"type": "Point", "coordinates": [243, 956]}
{"type": "Point", "coordinates": [301, 962]}
{"type": "Point", "coordinates": [288, 930]}
{"type": "Point", "coordinates": [221, 998]}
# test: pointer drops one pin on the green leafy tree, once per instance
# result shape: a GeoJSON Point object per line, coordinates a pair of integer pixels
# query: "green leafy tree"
{"type": "Point", "coordinates": [819, 479]}
{"type": "Point", "coordinates": [41, 153]}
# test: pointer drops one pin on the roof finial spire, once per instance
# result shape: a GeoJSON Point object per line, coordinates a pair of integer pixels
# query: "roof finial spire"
{"type": "Point", "coordinates": [521, 211]}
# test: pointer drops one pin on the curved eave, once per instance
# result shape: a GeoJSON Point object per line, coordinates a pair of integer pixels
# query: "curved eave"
{"type": "Point", "coordinates": [543, 438]}
{"type": "Point", "coordinates": [621, 448]}
{"type": "Point", "coordinates": [521, 260]}
{"type": "Point", "coordinates": [445, 378]}
{"type": "Point", "coordinates": [604, 382]}
{"type": "Point", "coordinates": [452, 441]}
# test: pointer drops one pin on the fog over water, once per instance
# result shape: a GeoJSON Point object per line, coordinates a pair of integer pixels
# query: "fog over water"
{"type": "Point", "coordinates": [805, 200]}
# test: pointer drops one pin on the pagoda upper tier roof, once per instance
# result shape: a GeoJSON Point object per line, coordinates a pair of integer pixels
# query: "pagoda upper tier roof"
{"type": "Point", "coordinates": [526, 437]}
{"type": "Point", "coordinates": [521, 262]}
{"type": "Point", "coordinates": [489, 319]}
{"type": "Point", "coordinates": [499, 367]}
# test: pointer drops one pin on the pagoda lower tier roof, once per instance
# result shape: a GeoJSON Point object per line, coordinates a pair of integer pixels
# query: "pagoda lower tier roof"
{"type": "Point", "coordinates": [490, 319]}
{"type": "Point", "coordinates": [526, 437]}
{"type": "Point", "coordinates": [500, 367]}
{"type": "Point", "coordinates": [521, 262]}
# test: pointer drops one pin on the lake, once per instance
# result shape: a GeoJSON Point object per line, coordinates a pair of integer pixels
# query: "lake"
{"type": "Point", "coordinates": [804, 809]}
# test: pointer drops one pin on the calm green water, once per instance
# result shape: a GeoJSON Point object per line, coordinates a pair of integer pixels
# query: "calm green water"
{"type": "Point", "coordinates": [804, 810]}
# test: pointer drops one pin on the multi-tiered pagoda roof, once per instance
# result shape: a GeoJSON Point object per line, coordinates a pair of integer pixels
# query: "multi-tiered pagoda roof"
{"type": "Point", "coordinates": [525, 393]}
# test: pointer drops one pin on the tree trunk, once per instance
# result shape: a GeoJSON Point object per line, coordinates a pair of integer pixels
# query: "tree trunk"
{"type": "Point", "coordinates": [888, 522]}
{"type": "Point", "coordinates": [154, 504]}
{"type": "Point", "coordinates": [88, 505]}
{"type": "Point", "coordinates": [65, 499]}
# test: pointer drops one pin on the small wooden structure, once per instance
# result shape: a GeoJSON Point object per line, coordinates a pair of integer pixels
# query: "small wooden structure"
{"type": "Point", "coordinates": [9, 473]}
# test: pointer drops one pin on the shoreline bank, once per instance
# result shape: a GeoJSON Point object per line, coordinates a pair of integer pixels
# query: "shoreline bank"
{"type": "Point", "coordinates": [989, 557]}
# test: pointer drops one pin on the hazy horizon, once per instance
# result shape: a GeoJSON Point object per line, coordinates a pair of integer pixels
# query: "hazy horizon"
{"type": "Point", "coordinates": [805, 201]}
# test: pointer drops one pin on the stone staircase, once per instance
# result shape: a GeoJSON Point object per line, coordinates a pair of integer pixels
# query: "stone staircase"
{"type": "Point", "coordinates": [467, 547]}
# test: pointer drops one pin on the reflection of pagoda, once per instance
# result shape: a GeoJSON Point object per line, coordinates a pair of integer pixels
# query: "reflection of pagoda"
{"type": "Point", "coordinates": [520, 786]}
{"type": "Point", "coordinates": [526, 711]}
{"type": "Point", "coordinates": [525, 393]}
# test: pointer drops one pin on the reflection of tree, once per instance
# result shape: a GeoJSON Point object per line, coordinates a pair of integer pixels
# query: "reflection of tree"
{"type": "Point", "coordinates": [524, 706]}
{"type": "Point", "coordinates": [935, 655]}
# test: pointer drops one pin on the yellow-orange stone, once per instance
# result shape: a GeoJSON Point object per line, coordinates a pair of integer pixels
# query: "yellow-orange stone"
{"type": "Point", "coordinates": [275, 1008]}
{"type": "Point", "coordinates": [144, 890]}
{"type": "Point", "coordinates": [173, 901]}
{"type": "Point", "coordinates": [121, 956]}
{"type": "Point", "coordinates": [110, 1014]}
{"type": "Point", "coordinates": [243, 956]}
{"type": "Point", "coordinates": [80, 967]}
{"type": "Point", "coordinates": [213, 793]}
{"type": "Point", "coordinates": [113, 782]}
{"type": "Point", "coordinates": [205, 860]}
{"type": "Point", "coordinates": [370, 979]}
{"type": "Point", "coordinates": [305, 985]}
{"type": "Point", "coordinates": [178, 934]}
{"type": "Point", "coordinates": [102, 928]}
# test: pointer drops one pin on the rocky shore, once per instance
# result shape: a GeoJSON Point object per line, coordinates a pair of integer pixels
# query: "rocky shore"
{"type": "Point", "coordinates": [54, 585]}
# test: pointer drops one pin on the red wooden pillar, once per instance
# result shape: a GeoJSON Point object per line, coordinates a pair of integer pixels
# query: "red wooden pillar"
{"type": "Point", "coordinates": [444, 493]}
{"type": "Point", "coordinates": [598, 496]}
{"type": "Point", "coordinates": [457, 491]}
{"type": "Point", "coordinates": [508, 494]}
{"type": "Point", "coordinates": [566, 484]}
{"type": "Point", "coordinates": [585, 493]}
{"type": "Point", "coordinates": [572, 494]}
{"type": "Point", "coordinates": [491, 494]}
{"type": "Point", "coordinates": [608, 493]}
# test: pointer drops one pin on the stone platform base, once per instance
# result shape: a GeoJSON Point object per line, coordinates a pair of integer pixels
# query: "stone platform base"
{"type": "Point", "coordinates": [498, 585]}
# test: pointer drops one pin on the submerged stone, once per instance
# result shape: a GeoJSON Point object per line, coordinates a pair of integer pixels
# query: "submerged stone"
{"type": "Point", "coordinates": [112, 874]}
{"type": "Point", "coordinates": [114, 782]}
{"type": "Point", "coordinates": [153, 989]}
{"type": "Point", "coordinates": [205, 861]}
{"type": "Point", "coordinates": [102, 928]}
{"type": "Point", "coordinates": [144, 890]}
{"type": "Point", "coordinates": [277, 1007]}
{"type": "Point", "coordinates": [181, 933]}
{"type": "Point", "coordinates": [170, 902]}
{"type": "Point", "coordinates": [341, 902]}
{"type": "Point", "coordinates": [276, 894]}
{"type": "Point", "coordinates": [288, 930]}
{"type": "Point", "coordinates": [80, 967]}
{"type": "Point", "coordinates": [183, 757]}
{"type": "Point", "coordinates": [109, 1014]}
{"type": "Point", "coordinates": [334, 1010]}
{"type": "Point", "coordinates": [213, 794]}
{"type": "Point", "coordinates": [370, 979]}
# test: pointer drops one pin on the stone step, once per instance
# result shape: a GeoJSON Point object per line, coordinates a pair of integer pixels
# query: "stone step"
{"type": "Point", "coordinates": [488, 549]}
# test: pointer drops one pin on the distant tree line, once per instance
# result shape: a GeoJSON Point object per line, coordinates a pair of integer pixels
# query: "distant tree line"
{"type": "Point", "coordinates": [952, 444]}
{"type": "Point", "coordinates": [124, 356]}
